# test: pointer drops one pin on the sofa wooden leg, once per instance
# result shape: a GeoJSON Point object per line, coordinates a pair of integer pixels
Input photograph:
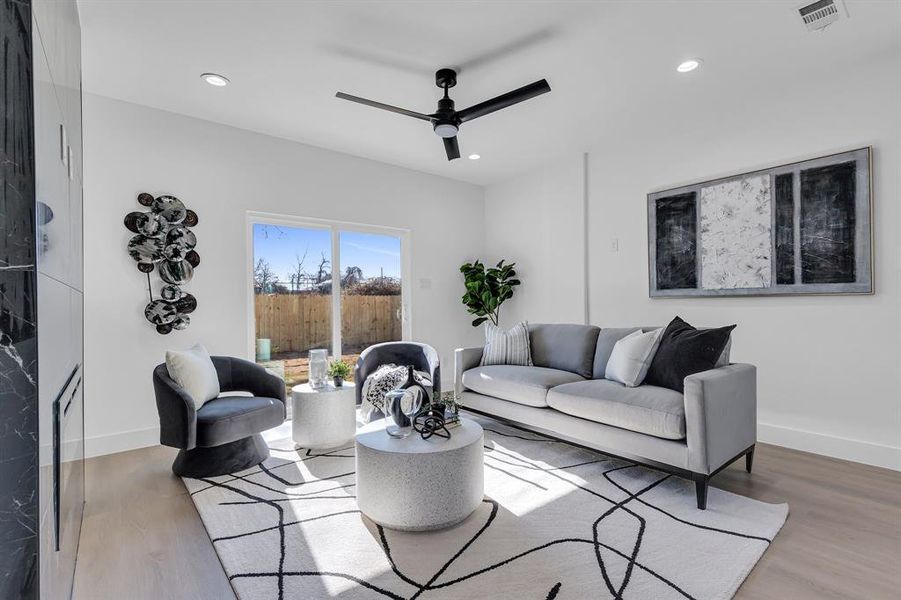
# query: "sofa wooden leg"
{"type": "Point", "coordinates": [749, 459]}
{"type": "Point", "coordinates": [701, 491]}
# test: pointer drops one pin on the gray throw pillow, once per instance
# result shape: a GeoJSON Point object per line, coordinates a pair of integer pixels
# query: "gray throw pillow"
{"type": "Point", "coordinates": [509, 347]}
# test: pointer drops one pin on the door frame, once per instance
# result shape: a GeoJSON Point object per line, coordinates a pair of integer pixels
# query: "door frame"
{"type": "Point", "coordinates": [334, 227]}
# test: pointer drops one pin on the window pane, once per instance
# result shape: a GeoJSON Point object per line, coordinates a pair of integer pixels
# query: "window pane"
{"type": "Point", "coordinates": [370, 291]}
{"type": "Point", "coordinates": [292, 297]}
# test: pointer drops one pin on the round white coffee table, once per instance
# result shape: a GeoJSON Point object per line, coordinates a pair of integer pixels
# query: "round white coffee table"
{"type": "Point", "coordinates": [413, 484]}
{"type": "Point", "coordinates": [325, 417]}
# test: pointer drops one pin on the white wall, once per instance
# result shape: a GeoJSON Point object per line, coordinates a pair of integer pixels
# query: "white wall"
{"type": "Point", "coordinates": [537, 221]}
{"type": "Point", "coordinates": [829, 367]}
{"type": "Point", "coordinates": [221, 173]}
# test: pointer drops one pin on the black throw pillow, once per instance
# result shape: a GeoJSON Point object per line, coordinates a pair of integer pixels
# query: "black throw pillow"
{"type": "Point", "coordinates": [684, 351]}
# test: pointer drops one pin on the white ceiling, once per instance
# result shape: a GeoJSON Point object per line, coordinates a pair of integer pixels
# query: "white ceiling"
{"type": "Point", "coordinates": [607, 62]}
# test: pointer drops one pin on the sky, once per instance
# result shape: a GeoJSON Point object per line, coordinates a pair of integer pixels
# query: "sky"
{"type": "Point", "coordinates": [280, 246]}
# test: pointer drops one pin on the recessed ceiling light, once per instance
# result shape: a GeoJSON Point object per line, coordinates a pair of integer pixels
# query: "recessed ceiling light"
{"type": "Point", "coordinates": [474, 157]}
{"type": "Point", "coordinates": [215, 79]}
{"type": "Point", "coordinates": [689, 65]}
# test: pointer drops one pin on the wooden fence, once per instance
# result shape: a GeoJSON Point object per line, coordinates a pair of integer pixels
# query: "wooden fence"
{"type": "Point", "coordinates": [298, 322]}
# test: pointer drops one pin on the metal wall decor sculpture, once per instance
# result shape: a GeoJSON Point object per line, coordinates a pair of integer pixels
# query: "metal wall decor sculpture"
{"type": "Point", "coordinates": [165, 242]}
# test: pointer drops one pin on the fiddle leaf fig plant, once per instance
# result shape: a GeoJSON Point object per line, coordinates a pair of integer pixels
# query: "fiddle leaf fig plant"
{"type": "Point", "coordinates": [487, 289]}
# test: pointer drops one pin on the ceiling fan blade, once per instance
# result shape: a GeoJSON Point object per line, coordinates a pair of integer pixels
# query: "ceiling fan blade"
{"type": "Point", "coordinates": [383, 106]}
{"type": "Point", "coordinates": [504, 100]}
{"type": "Point", "coordinates": [451, 147]}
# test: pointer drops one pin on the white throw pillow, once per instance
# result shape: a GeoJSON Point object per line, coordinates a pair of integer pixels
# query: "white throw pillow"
{"type": "Point", "coordinates": [631, 357]}
{"type": "Point", "coordinates": [509, 347]}
{"type": "Point", "coordinates": [193, 370]}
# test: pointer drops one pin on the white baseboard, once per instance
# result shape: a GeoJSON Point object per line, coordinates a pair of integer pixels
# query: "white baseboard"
{"type": "Point", "coordinates": [868, 453]}
{"type": "Point", "coordinates": [121, 442]}
{"type": "Point", "coordinates": [878, 455]}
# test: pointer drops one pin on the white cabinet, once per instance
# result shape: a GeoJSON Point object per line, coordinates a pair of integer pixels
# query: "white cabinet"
{"type": "Point", "coordinates": [58, 192]}
{"type": "Point", "coordinates": [54, 245]}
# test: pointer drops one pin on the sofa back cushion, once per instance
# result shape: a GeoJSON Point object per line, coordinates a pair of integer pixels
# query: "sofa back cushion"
{"type": "Point", "coordinates": [607, 339]}
{"type": "Point", "coordinates": [567, 347]}
{"type": "Point", "coordinates": [610, 335]}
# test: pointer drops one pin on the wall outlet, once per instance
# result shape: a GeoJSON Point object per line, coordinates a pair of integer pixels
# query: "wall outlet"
{"type": "Point", "coordinates": [614, 245]}
{"type": "Point", "coordinates": [425, 284]}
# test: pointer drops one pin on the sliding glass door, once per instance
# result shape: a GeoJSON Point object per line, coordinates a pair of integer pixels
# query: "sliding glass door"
{"type": "Point", "coordinates": [317, 284]}
{"type": "Point", "coordinates": [371, 299]}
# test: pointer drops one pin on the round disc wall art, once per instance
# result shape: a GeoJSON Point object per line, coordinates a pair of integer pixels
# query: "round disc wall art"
{"type": "Point", "coordinates": [164, 242]}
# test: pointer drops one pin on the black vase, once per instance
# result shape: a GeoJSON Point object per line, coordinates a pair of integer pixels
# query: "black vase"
{"type": "Point", "coordinates": [411, 384]}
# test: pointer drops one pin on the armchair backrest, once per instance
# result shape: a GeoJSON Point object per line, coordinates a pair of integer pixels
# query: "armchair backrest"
{"type": "Point", "coordinates": [239, 375]}
{"type": "Point", "coordinates": [422, 356]}
{"type": "Point", "coordinates": [178, 416]}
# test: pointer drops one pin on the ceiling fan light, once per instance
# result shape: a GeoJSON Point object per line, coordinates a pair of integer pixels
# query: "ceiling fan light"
{"type": "Point", "coordinates": [446, 130]}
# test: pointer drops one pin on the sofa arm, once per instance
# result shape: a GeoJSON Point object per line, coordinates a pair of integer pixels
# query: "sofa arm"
{"type": "Point", "coordinates": [465, 359]}
{"type": "Point", "coordinates": [720, 415]}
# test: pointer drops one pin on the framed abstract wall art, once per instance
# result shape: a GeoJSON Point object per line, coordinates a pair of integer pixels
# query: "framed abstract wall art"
{"type": "Point", "coordinates": [801, 228]}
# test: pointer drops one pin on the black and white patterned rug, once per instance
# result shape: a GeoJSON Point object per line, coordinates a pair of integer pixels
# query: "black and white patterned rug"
{"type": "Point", "coordinates": [557, 521]}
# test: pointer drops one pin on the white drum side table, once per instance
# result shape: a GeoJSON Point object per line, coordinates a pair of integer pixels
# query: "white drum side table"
{"type": "Point", "coordinates": [413, 484]}
{"type": "Point", "coordinates": [325, 417]}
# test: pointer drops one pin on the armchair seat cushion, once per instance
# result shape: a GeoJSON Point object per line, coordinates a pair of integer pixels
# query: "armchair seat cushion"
{"type": "Point", "coordinates": [523, 385]}
{"type": "Point", "coordinates": [646, 409]}
{"type": "Point", "coordinates": [230, 418]}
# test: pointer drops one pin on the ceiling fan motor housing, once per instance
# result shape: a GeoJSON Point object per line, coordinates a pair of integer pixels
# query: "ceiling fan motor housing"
{"type": "Point", "coordinates": [446, 122]}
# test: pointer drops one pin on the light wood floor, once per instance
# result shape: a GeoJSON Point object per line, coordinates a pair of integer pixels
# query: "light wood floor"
{"type": "Point", "coordinates": [143, 539]}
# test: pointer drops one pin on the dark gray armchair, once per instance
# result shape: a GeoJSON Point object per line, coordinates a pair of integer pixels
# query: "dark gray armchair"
{"type": "Point", "coordinates": [223, 436]}
{"type": "Point", "coordinates": [422, 356]}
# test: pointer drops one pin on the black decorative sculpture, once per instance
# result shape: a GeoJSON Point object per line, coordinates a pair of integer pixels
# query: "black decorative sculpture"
{"type": "Point", "coordinates": [164, 241]}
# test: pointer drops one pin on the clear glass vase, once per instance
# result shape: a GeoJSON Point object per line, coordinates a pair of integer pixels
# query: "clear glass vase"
{"type": "Point", "coordinates": [401, 405]}
{"type": "Point", "coordinates": [318, 367]}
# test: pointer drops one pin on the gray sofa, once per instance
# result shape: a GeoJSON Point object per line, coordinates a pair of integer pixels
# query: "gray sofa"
{"type": "Point", "coordinates": [564, 395]}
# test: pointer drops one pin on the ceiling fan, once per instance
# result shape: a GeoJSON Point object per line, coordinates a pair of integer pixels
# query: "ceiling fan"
{"type": "Point", "coordinates": [446, 121]}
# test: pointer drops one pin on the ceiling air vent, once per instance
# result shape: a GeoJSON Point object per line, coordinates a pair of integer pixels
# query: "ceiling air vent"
{"type": "Point", "coordinates": [821, 14]}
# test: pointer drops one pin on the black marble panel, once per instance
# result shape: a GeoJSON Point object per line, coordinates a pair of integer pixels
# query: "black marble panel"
{"type": "Point", "coordinates": [828, 222]}
{"type": "Point", "coordinates": [785, 228]}
{"type": "Point", "coordinates": [18, 308]}
{"type": "Point", "coordinates": [677, 246]}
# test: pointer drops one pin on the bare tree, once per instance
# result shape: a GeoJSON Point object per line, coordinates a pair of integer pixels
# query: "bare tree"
{"type": "Point", "coordinates": [297, 274]}
{"type": "Point", "coordinates": [324, 272]}
{"type": "Point", "coordinates": [263, 276]}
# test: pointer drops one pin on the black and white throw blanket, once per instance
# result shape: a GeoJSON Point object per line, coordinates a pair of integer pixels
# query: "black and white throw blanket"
{"type": "Point", "coordinates": [557, 521]}
{"type": "Point", "coordinates": [383, 380]}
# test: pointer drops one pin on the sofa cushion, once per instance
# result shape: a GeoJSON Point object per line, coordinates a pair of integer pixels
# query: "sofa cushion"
{"type": "Point", "coordinates": [646, 409]}
{"type": "Point", "coordinates": [566, 347]}
{"type": "Point", "coordinates": [230, 418]}
{"type": "Point", "coordinates": [607, 339]}
{"type": "Point", "coordinates": [510, 347]}
{"type": "Point", "coordinates": [685, 350]}
{"type": "Point", "coordinates": [523, 385]}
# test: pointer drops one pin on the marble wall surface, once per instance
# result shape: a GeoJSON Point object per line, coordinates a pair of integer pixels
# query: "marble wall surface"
{"type": "Point", "coordinates": [41, 404]}
{"type": "Point", "coordinates": [18, 310]}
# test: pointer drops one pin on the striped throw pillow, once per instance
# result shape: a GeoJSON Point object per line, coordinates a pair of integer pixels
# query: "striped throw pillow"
{"type": "Point", "coordinates": [509, 347]}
